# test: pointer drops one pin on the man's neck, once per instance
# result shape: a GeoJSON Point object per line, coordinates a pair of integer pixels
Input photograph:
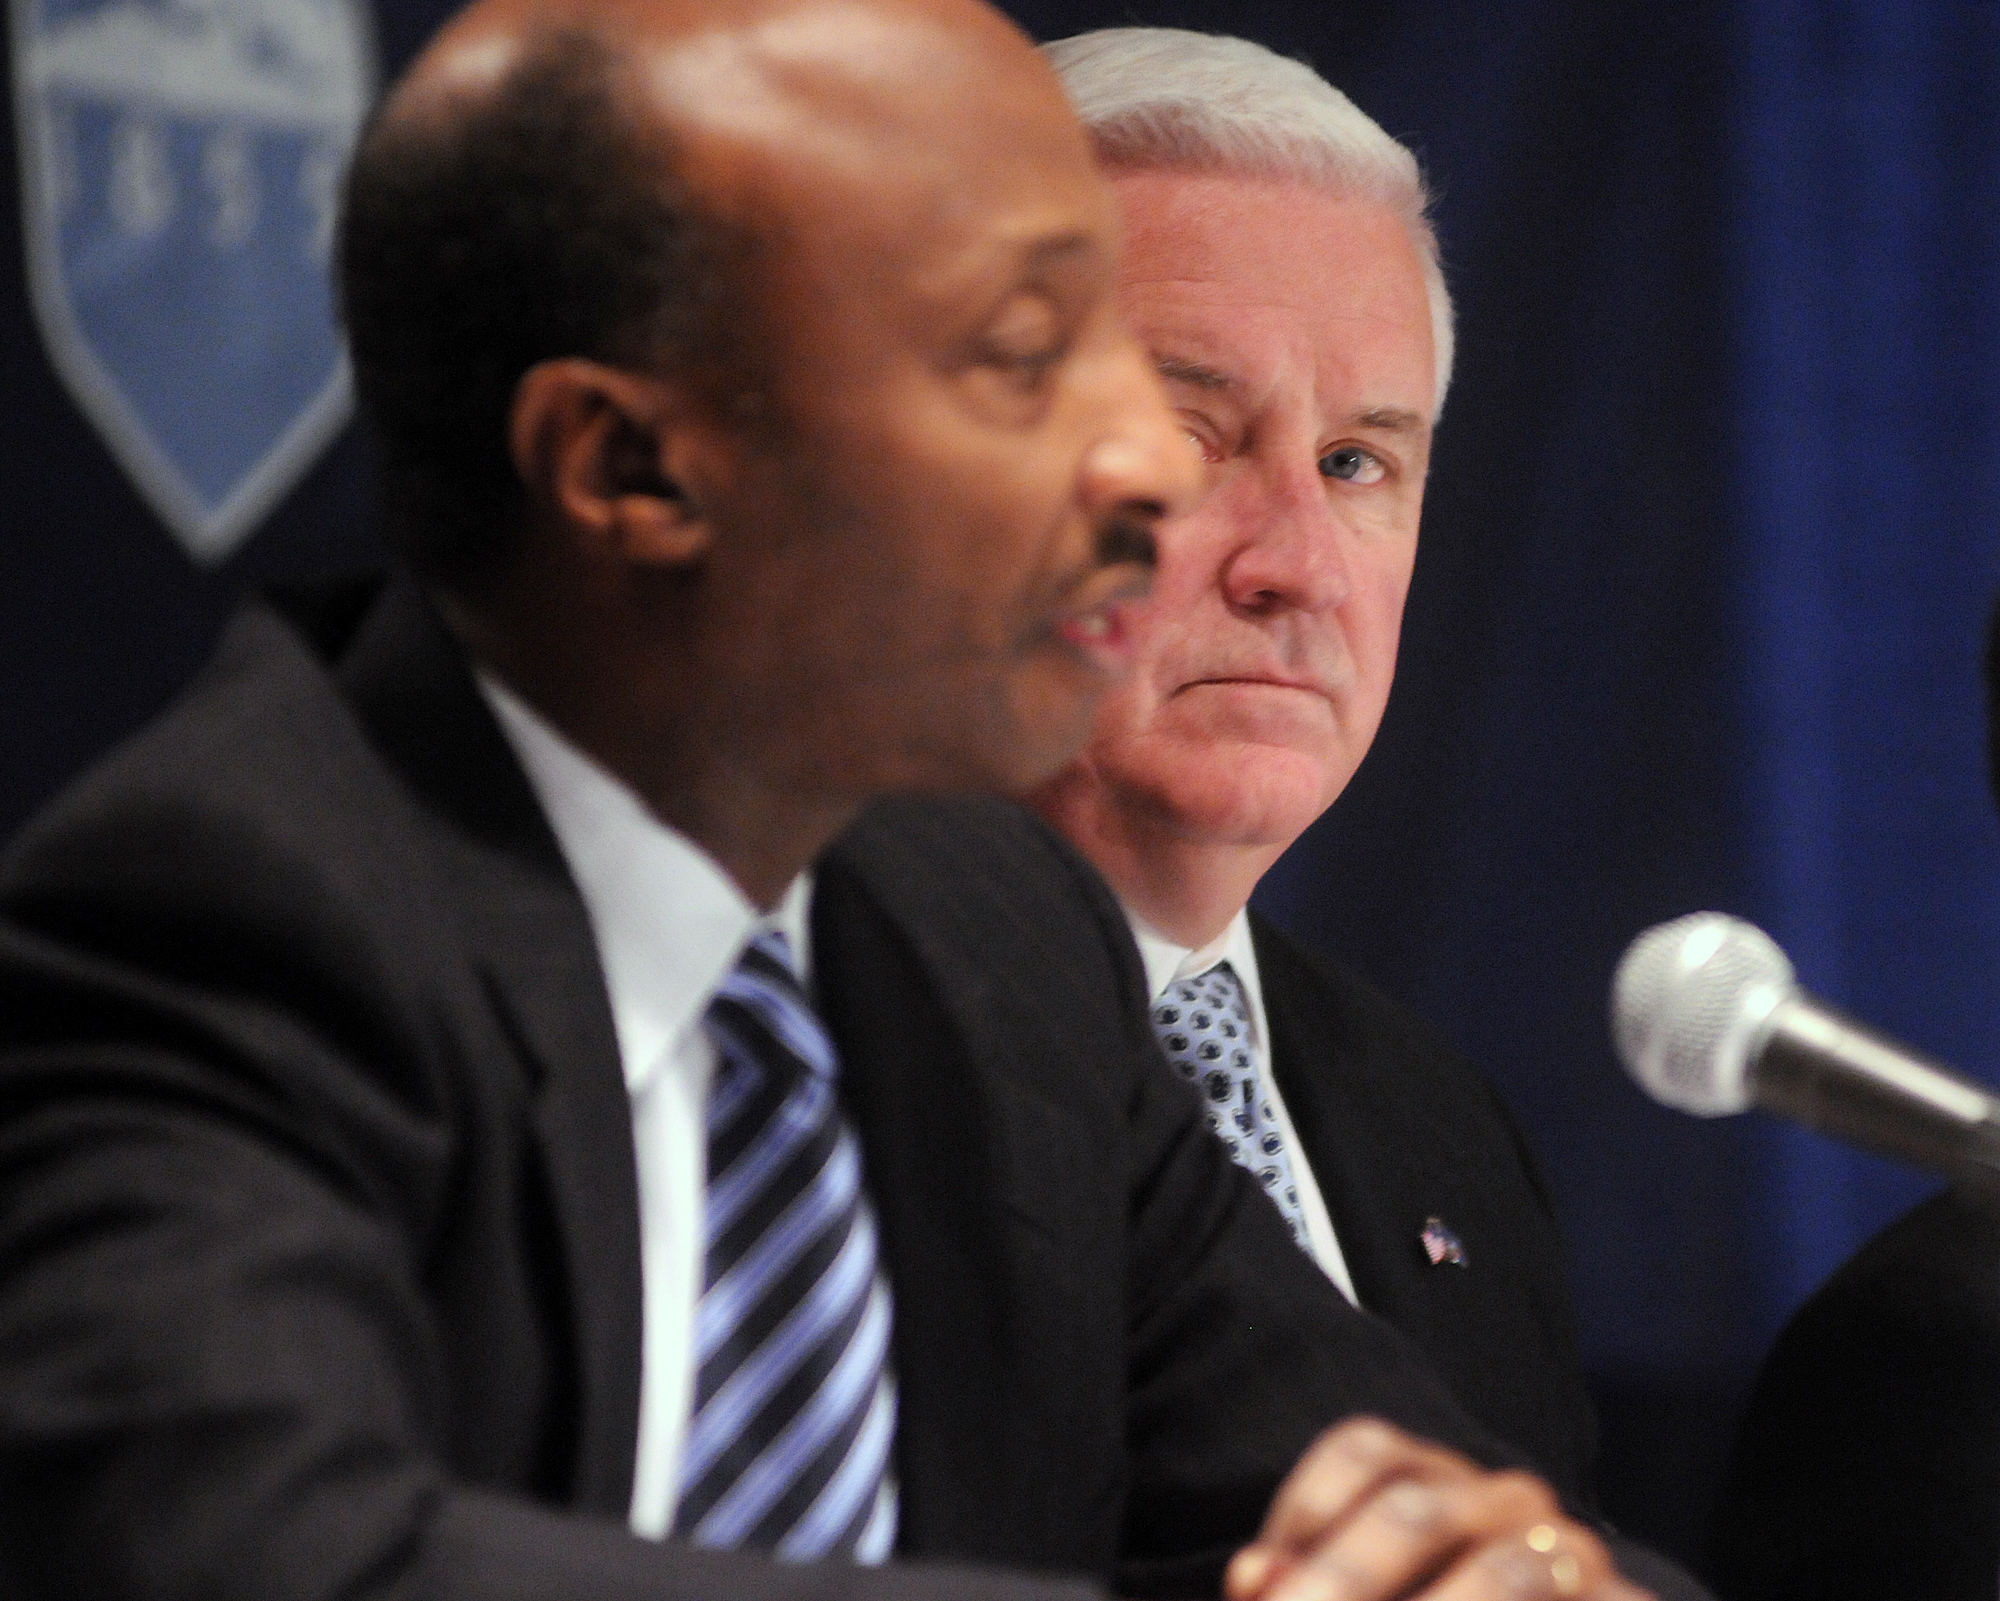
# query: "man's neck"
{"type": "Point", "coordinates": [761, 838]}
{"type": "Point", "coordinates": [675, 753]}
{"type": "Point", "coordinates": [1191, 894]}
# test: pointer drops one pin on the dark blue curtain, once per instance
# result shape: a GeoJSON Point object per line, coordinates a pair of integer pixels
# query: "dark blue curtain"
{"type": "Point", "coordinates": [1713, 525]}
{"type": "Point", "coordinates": [1864, 254]}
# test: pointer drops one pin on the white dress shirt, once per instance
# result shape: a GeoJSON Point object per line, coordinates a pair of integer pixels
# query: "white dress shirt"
{"type": "Point", "coordinates": [670, 925]}
{"type": "Point", "coordinates": [1167, 963]}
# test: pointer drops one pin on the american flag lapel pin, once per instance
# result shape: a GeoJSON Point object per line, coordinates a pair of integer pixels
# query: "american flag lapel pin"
{"type": "Point", "coordinates": [1440, 1244]}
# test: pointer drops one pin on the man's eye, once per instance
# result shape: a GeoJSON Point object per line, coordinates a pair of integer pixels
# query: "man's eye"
{"type": "Point", "coordinates": [1024, 341]}
{"type": "Point", "coordinates": [1353, 465]}
{"type": "Point", "coordinates": [1205, 447]}
{"type": "Point", "coordinates": [1028, 365]}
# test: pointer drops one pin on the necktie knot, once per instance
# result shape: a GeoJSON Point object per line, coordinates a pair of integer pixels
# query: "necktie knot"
{"type": "Point", "coordinates": [768, 950]}
{"type": "Point", "coordinates": [761, 1013]}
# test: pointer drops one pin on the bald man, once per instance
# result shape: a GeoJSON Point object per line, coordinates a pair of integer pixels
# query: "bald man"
{"type": "Point", "coordinates": [448, 1147]}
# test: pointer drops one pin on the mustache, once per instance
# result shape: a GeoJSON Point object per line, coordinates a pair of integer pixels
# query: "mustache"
{"type": "Point", "coordinates": [1128, 539]}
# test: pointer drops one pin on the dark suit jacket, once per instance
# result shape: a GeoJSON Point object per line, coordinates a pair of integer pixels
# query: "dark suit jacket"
{"type": "Point", "coordinates": [1400, 1128]}
{"type": "Point", "coordinates": [1868, 1464]}
{"type": "Point", "coordinates": [318, 1222]}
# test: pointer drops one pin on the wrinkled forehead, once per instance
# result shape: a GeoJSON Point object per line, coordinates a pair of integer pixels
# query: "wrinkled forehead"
{"type": "Point", "coordinates": [1261, 280]}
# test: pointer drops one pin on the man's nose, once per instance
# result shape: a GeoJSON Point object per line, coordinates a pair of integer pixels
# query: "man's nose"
{"type": "Point", "coordinates": [1141, 463]}
{"type": "Point", "coordinates": [1289, 549]}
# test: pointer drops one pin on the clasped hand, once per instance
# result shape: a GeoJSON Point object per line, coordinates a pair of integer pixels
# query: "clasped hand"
{"type": "Point", "coordinates": [1373, 1514]}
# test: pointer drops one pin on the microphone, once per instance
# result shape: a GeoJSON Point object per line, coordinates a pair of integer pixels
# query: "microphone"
{"type": "Point", "coordinates": [1708, 1017]}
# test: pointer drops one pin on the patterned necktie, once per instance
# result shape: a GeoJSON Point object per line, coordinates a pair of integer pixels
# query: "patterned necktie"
{"type": "Point", "coordinates": [794, 1407]}
{"type": "Point", "coordinates": [1204, 1028]}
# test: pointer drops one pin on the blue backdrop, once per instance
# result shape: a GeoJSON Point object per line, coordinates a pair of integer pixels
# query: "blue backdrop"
{"type": "Point", "coordinates": [1713, 526]}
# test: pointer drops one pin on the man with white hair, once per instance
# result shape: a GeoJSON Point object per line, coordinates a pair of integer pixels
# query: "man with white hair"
{"type": "Point", "coordinates": [1281, 269]}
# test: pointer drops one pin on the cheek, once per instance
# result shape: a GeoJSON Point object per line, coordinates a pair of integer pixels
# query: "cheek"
{"type": "Point", "coordinates": [988, 540]}
{"type": "Point", "coordinates": [1188, 582]}
{"type": "Point", "coordinates": [897, 564]}
{"type": "Point", "coordinates": [1372, 622]}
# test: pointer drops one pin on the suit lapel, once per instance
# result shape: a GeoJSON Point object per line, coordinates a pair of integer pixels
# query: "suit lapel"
{"type": "Point", "coordinates": [958, 1161]}
{"type": "Point", "coordinates": [530, 939]}
{"type": "Point", "coordinates": [1351, 1148]}
{"type": "Point", "coordinates": [1400, 1131]}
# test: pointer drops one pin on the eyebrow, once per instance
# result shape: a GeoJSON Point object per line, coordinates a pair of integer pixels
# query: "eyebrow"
{"type": "Point", "coordinates": [1393, 419]}
{"type": "Point", "coordinates": [1179, 370]}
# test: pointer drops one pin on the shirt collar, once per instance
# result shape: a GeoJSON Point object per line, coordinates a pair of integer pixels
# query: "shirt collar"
{"type": "Point", "coordinates": [670, 923]}
{"type": "Point", "coordinates": [1165, 962]}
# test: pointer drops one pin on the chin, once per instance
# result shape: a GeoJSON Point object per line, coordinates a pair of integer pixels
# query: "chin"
{"type": "Point", "coordinates": [1254, 823]}
{"type": "Point", "coordinates": [1226, 794]}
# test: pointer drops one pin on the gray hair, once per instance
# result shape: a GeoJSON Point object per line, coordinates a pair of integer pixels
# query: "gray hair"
{"type": "Point", "coordinates": [1166, 97]}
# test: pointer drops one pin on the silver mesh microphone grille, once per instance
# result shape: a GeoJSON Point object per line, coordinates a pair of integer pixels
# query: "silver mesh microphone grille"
{"type": "Point", "coordinates": [1689, 1002]}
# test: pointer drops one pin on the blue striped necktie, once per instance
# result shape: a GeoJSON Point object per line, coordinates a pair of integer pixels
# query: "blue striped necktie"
{"type": "Point", "coordinates": [794, 1407]}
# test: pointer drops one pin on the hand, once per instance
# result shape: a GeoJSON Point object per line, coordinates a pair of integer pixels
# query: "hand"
{"type": "Point", "coordinates": [1373, 1514]}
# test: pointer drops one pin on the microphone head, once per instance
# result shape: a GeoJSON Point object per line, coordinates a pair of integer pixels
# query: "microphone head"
{"type": "Point", "coordinates": [1689, 1006]}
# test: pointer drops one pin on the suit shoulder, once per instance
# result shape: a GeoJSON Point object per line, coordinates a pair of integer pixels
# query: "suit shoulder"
{"type": "Point", "coordinates": [248, 836]}
{"type": "Point", "coordinates": [1324, 1012]}
{"type": "Point", "coordinates": [260, 730]}
{"type": "Point", "coordinates": [982, 834]}
{"type": "Point", "coordinates": [1864, 1463]}
{"type": "Point", "coordinates": [986, 884]}
{"type": "Point", "coordinates": [1345, 1004]}
{"type": "Point", "coordinates": [988, 860]}
{"type": "Point", "coordinates": [1928, 1276]}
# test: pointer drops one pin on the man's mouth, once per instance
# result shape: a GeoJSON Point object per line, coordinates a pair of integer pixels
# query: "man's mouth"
{"type": "Point", "coordinates": [1303, 686]}
{"type": "Point", "coordinates": [1103, 633]}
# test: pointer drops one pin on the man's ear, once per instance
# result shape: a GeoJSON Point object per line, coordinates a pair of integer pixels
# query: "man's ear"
{"type": "Point", "coordinates": [615, 457]}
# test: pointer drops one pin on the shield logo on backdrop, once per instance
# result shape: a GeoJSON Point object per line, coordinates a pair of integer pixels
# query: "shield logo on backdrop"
{"type": "Point", "coordinates": [181, 164]}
